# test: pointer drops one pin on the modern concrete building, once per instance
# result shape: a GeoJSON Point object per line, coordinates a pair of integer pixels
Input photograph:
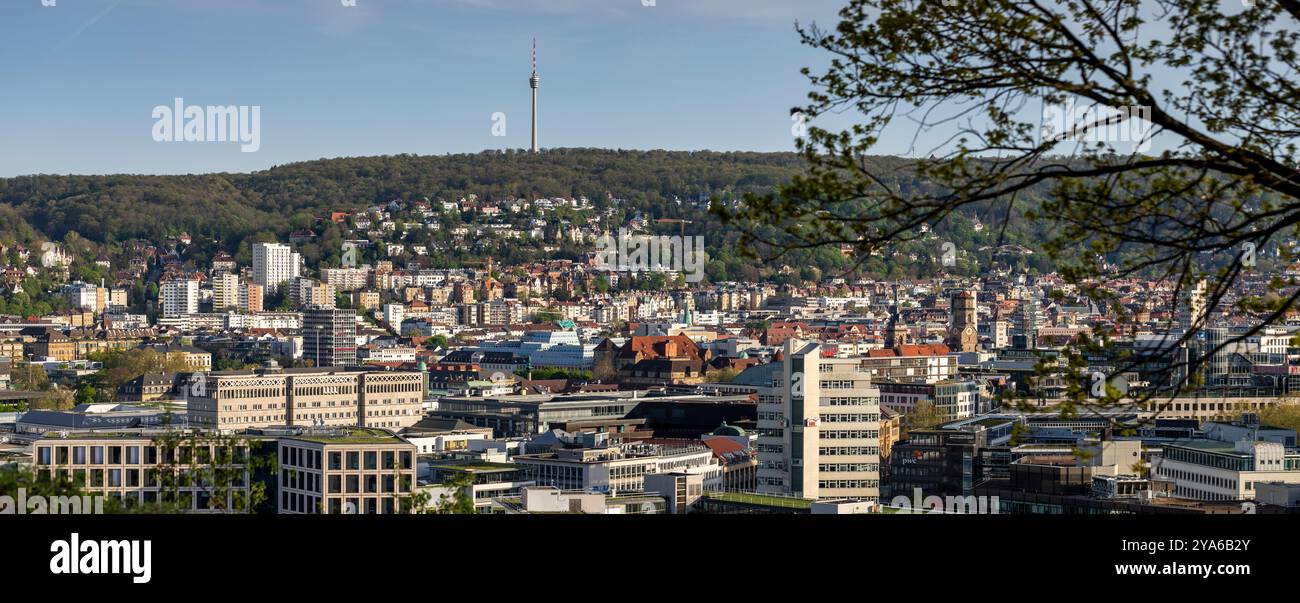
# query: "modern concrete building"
{"type": "Point", "coordinates": [957, 399]}
{"type": "Point", "coordinates": [613, 469]}
{"type": "Point", "coordinates": [346, 471]}
{"type": "Point", "coordinates": [549, 500]}
{"type": "Point", "coordinates": [244, 399]}
{"type": "Point", "coordinates": [522, 415]}
{"type": "Point", "coordinates": [130, 466]}
{"type": "Point", "coordinates": [329, 336]}
{"type": "Point", "coordinates": [1211, 470]}
{"type": "Point", "coordinates": [488, 481]}
{"type": "Point", "coordinates": [819, 427]}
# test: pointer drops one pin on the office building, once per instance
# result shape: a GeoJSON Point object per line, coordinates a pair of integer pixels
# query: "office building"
{"type": "Point", "coordinates": [602, 467]}
{"type": "Point", "coordinates": [303, 397]}
{"type": "Point", "coordinates": [488, 481]}
{"type": "Point", "coordinates": [329, 336]}
{"type": "Point", "coordinates": [1210, 470]}
{"type": "Point", "coordinates": [919, 363]}
{"type": "Point", "coordinates": [819, 427]}
{"type": "Point", "coordinates": [346, 471]}
{"type": "Point", "coordinates": [125, 466]}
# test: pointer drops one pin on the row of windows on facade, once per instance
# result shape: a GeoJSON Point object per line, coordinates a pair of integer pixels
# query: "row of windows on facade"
{"type": "Point", "coordinates": [839, 384]}
{"type": "Point", "coordinates": [848, 450]}
{"type": "Point", "coordinates": [839, 484]}
{"type": "Point", "coordinates": [137, 455]}
{"type": "Point", "coordinates": [848, 467]}
{"type": "Point", "coordinates": [377, 388]}
{"type": "Point", "coordinates": [133, 478]}
{"type": "Point", "coordinates": [1232, 463]}
{"type": "Point", "coordinates": [1200, 478]}
{"type": "Point", "coordinates": [356, 460]}
{"type": "Point", "coordinates": [850, 434]}
{"type": "Point", "coordinates": [303, 503]}
{"type": "Point", "coordinates": [388, 483]}
{"type": "Point", "coordinates": [851, 401]}
{"type": "Point", "coordinates": [193, 500]}
{"type": "Point", "coordinates": [1198, 494]}
{"type": "Point", "coordinates": [851, 418]}
{"type": "Point", "coordinates": [280, 406]}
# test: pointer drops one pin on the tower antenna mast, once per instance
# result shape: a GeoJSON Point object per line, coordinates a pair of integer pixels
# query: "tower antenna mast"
{"type": "Point", "coordinates": [534, 82]}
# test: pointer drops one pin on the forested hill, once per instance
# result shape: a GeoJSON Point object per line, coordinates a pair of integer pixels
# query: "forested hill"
{"type": "Point", "coordinates": [230, 206]}
{"type": "Point", "coordinates": [95, 214]}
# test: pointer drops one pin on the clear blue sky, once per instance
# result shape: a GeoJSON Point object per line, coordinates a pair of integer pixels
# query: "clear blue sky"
{"type": "Point", "coordinates": [80, 79]}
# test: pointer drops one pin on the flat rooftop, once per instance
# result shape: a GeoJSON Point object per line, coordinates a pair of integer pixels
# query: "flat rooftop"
{"type": "Point", "coordinates": [476, 467]}
{"type": "Point", "coordinates": [766, 500]}
{"type": "Point", "coordinates": [346, 435]}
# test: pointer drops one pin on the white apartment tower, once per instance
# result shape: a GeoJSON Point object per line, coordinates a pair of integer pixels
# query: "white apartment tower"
{"type": "Point", "coordinates": [819, 427]}
{"type": "Point", "coordinates": [274, 263]}
{"type": "Point", "coordinates": [179, 297]}
{"type": "Point", "coordinates": [225, 292]}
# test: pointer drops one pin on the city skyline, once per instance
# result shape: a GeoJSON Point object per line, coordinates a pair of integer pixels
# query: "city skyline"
{"type": "Point", "coordinates": [1038, 260]}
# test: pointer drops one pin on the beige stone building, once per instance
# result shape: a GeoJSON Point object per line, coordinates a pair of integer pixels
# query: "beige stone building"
{"type": "Point", "coordinates": [127, 466]}
{"type": "Point", "coordinates": [347, 470]}
{"type": "Point", "coordinates": [304, 397]}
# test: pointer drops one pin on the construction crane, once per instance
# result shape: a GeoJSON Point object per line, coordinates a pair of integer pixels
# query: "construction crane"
{"type": "Point", "coordinates": [675, 221]}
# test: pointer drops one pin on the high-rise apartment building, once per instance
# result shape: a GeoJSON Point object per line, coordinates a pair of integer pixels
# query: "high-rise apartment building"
{"type": "Point", "coordinates": [275, 263]}
{"type": "Point", "coordinates": [86, 296]}
{"type": "Point", "coordinates": [308, 292]}
{"type": "Point", "coordinates": [118, 298]}
{"type": "Point", "coordinates": [819, 427]}
{"type": "Point", "coordinates": [250, 298]}
{"type": "Point", "coordinates": [179, 296]}
{"type": "Point", "coordinates": [329, 336]}
{"type": "Point", "coordinates": [225, 292]}
{"type": "Point", "coordinates": [346, 279]}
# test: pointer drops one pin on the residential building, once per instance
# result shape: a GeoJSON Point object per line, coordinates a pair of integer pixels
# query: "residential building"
{"type": "Point", "coordinates": [250, 298]}
{"type": "Point", "coordinates": [274, 264]}
{"type": "Point", "coordinates": [225, 292]}
{"type": "Point", "coordinates": [179, 297]}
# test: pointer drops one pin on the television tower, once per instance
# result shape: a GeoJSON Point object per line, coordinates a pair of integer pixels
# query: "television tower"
{"type": "Point", "coordinates": [534, 82]}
